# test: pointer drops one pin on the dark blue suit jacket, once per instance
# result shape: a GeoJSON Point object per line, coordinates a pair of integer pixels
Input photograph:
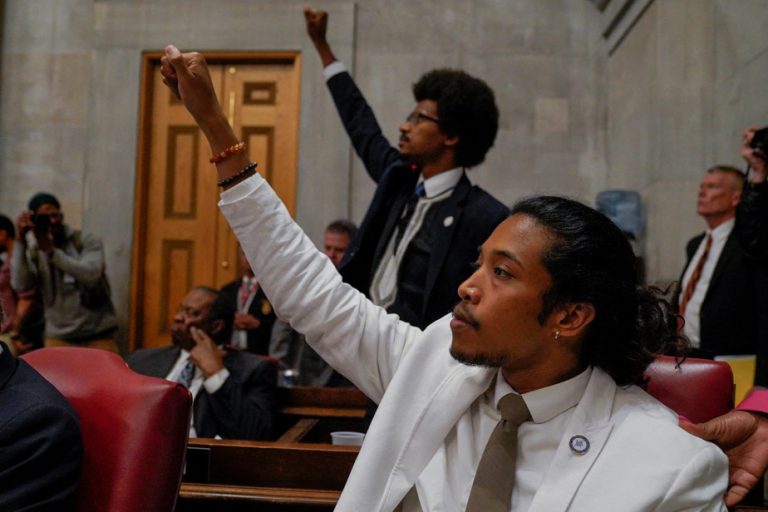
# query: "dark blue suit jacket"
{"type": "Point", "coordinates": [41, 450]}
{"type": "Point", "coordinates": [242, 408]}
{"type": "Point", "coordinates": [474, 213]}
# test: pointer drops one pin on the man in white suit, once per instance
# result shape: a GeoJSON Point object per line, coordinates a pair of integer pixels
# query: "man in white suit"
{"type": "Point", "coordinates": [552, 313]}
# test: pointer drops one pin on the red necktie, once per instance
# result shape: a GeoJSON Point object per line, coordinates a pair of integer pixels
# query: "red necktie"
{"type": "Point", "coordinates": [694, 280]}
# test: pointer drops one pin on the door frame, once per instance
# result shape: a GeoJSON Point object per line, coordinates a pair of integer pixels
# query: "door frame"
{"type": "Point", "coordinates": [150, 59]}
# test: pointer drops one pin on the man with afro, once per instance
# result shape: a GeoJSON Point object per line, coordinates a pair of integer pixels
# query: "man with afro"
{"type": "Point", "coordinates": [424, 207]}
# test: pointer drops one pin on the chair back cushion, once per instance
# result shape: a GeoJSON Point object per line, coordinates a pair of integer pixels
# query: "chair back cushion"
{"type": "Point", "coordinates": [134, 429]}
{"type": "Point", "coordinates": [698, 389]}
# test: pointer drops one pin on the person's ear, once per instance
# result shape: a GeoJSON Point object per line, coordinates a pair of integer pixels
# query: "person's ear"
{"type": "Point", "coordinates": [451, 141]}
{"type": "Point", "coordinates": [736, 198]}
{"type": "Point", "coordinates": [572, 320]}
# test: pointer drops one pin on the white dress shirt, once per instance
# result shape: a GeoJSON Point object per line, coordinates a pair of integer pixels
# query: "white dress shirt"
{"type": "Point", "coordinates": [456, 462]}
{"type": "Point", "coordinates": [693, 309]}
{"type": "Point", "coordinates": [251, 284]}
{"type": "Point", "coordinates": [212, 383]}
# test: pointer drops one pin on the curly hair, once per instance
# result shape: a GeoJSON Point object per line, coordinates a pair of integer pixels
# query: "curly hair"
{"type": "Point", "coordinates": [590, 260]}
{"type": "Point", "coordinates": [466, 107]}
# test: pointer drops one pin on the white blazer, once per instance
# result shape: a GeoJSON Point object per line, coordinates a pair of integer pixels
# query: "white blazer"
{"type": "Point", "coordinates": [639, 460]}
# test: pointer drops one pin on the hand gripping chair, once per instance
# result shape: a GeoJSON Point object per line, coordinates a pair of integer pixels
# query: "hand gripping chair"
{"type": "Point", "coordinates": [134, 429]}
{"type": "Point", "coordinates": [698, 389]}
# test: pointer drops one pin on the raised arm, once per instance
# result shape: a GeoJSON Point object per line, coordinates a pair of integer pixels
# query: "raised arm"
{"type": "Point", "coordinates": [356, 337]}
{"type": "Point", "coordinates": [356, 115]}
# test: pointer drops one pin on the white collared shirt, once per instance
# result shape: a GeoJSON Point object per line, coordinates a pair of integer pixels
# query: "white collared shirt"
{"type": "Point", "coordinates": [455, 463]}
{"type": "Point", "coordinates": [693, 309]}
{"type": "Point", "coordinates": [212, 383]}
{"type": "Point", "coordinates": [436, 189]}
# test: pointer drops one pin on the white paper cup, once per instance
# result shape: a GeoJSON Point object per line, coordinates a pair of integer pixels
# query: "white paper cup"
{"type": "Point", "coordinates": [347, 438]}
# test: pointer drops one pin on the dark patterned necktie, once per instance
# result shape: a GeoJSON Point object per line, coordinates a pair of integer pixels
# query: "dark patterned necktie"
{"type": "Point", "coordinates": [405, 217]}
{"type": "Point", "coordinates": [495, 477]}
{"type": "Point", "coordinates": [187, 373]}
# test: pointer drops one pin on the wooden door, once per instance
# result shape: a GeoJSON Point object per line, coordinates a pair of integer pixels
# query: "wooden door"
{"type": "Point", "coordinates": [181, 239]}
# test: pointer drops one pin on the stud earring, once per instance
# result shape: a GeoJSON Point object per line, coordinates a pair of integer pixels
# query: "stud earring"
{"type": "Point", "coordinates": [557, 334]}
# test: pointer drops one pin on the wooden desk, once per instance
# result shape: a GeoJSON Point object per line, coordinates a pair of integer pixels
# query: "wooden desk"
{"type": "Point", "coordinates": [322, 402]}
{"type": "Point", "coordinates": [334, 408]}
{"type": "Point", "coordinates": [228, 476]}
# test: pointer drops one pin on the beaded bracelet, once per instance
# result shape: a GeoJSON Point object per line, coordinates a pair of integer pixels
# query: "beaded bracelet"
{"type": "Point", "coordinates": [227, 152]}
{"type": "Point", "coordinates": [245, 172]}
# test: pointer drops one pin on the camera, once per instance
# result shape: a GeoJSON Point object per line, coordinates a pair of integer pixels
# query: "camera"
{"type": "Point", "coordinates": [42, 222]}
{"type": "Point", "coordinates": [759, 142]}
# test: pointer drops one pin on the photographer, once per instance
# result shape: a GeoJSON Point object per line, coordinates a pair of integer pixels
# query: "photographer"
{"type": "Point", "coordinates": [68, 268]}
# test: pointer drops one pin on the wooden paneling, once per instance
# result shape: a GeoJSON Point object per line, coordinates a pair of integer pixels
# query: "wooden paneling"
{"type": "Point", "coordinates": [181, 172]}
{"type": "Point", "coordinates": [180, 238]}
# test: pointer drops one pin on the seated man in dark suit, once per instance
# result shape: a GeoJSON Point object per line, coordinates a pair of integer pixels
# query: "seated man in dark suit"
{"type": "Point", "coordinates": [40, 445]}
{"type": "Point", "coordinates": [720, 290]}
{"type": "Point", "coordinates": [233, 391]}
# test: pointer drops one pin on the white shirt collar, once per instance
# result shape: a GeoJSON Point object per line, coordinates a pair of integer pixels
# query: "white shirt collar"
{"type": "Point", "coordinates": [722, 231]}
{"type": "Point", "coordinates": [548, 402]}
{"type": "Point", "coordinates": [442, 182]}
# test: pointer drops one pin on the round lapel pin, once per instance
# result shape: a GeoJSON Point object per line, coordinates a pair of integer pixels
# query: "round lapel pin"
{"type": "Point", "coordinates": [579, 445]}
{"type": "Point", "coordinates": [448, 221]}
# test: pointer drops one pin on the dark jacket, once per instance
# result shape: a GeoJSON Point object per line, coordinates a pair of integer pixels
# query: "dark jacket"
{"type": "Point", "coordinates": [258, 339]}
{"type": "Point", "coordinates": [242, 408]}
{"type": "Point", "coordinates": [466, 218]}
{"type": "Point", "coordinates": [41, 449]}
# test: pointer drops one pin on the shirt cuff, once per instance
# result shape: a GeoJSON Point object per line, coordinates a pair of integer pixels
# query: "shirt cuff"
{"type": "Point", "coordinates": [215, 381]}
{"type": "Point", "coordinates": [333, 69]}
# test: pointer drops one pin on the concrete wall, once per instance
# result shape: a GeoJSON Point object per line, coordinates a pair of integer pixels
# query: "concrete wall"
{"type": "Point", "coordinates": [70, 94]}
{"type": "Point", "coordinates": [681, 87]}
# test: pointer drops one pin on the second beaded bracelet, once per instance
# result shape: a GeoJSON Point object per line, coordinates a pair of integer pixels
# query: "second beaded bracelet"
{"type": "Point", "coordinates": [245, 172]}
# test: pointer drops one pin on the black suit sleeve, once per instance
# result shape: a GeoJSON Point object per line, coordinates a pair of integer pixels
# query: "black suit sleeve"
{"type": "Point", "coordinates": [243, 406]}
{"type": "Point", "coordinates": [40, 457]}
{"type": "Point", "coordinates": [362, 127]}
{"type": "Point", "coordinates": [752, 221]}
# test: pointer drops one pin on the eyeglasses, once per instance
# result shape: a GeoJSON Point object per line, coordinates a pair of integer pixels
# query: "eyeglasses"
{"type": "Point", "coordinates": [416, 117]}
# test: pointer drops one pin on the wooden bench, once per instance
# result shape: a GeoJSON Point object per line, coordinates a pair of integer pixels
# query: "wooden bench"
{"type": "Point", "coordinates": [299, 471]}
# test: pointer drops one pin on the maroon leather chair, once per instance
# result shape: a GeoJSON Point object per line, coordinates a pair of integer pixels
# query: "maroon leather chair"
{"type": "Point", "coordinates": [134, 429]}
{"type": "Point", "coordinates": [698, 389]}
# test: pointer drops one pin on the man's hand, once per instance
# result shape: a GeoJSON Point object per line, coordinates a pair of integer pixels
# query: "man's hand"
{"type": "Point", "coordinates": [743, 436]}
{"type": "Point", "coordinates": [246, 322]}
{"type": "Point", "coordinates": [23, 225]}
{"type": "Point", "coordinates": [206, 355]}
{"type": "Point", "coordinates": [186, 74]}
{"type": "Point", "coordinates": [317, 26]}
{"type": "Point", "coordinates": [756, 160]}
